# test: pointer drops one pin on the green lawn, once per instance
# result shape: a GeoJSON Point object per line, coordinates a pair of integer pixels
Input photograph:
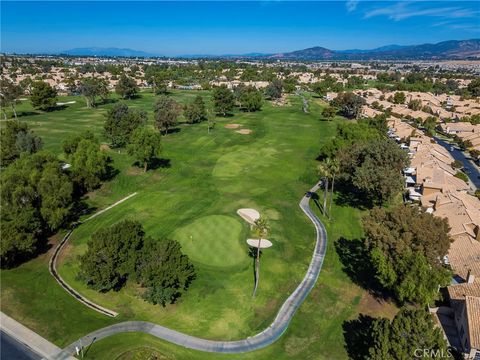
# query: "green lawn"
{"type": "Point", "coordinates": [213, 240]}
{"type": "Point", "coordinates": [194, 200]}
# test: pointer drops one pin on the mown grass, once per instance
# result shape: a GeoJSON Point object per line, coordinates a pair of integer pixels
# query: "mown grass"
{"type": "Point", "coordinates": [206, 179]}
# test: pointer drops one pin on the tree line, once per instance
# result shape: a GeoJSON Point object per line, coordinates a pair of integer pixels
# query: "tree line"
{"type": "Point", "coordinates": [401, 253]}
{"type": "Point", "coordinates": [123, 252]}
{"type": "Point", "coordinates": [39, 194]}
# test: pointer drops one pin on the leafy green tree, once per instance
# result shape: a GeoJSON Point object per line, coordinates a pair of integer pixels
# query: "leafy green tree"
{"type": "Point", "coordinates": [164, 270]}
{"type": "Point", "coordinates": [9, 95]}
{"type": "Point", "coordinates": [121, 122]}
{"type": "Point", "coordinates": [126, 87]}
{"type": "Point", "coordinates": [374, 167]}
{"type": "Point", "coordinates": [290, 84]}
{"type": "Point", "coordinates": [461, 176]}
{"type": "Point", "coordinates": [223, 100]}
{"type": "Point", "coordinates": [89, 164]}
{"type": "Point", "coordinates": [350, 105]}
{"type": "Point", "coordinates": [112, 254]}
{"type": "Point", "coordinates": [157, 78]}
{"type": "Point", "coordinates": [329, 112]}
{"type": "Point", "coordinates": [399, 97]}
{"type": "Point", "coordinates": [36, 198]}
{"type": "Point", "coordinates": [320, 88]}
{"type": "Point", "coordinates": [15, 139]}
{"type": "Point", "coordinates": [451, 85]}
{"type": "Point", "coordinates": [145, 146]}
{"type": "Point", "coordinates": [251, 99]}
{"type": "Point", "coordinates": [70, 144]}
{"type": "Point", "coordinates": [274, 89]}
{"type": "Point", "coordinates": [328, 169]}
{"type": "Point", "coordinates": [93, 87]}
{"type": "Point", "coordinates": [166, 113]}
{"type": "Point", "coordinates": [122, 252]}
{"type": "Point", "coordinates": [43, 96]}
{"type": "Point", "coordinates": [407, 336]}
{"type": "Point", "coordinates": [474, 87]}
{"type": "Point", "coordinates": [195, 111]}
{"type": "Point", "coordinates": [55, 189]}
{"type": "Point", "coordinates": [406, 248]}
{"type": "Point", "coordinates": [27, 84]}
{"type": "Point", "coordinates": [347, 134]}
{"type": "Point", "coordinates": [415, 104]}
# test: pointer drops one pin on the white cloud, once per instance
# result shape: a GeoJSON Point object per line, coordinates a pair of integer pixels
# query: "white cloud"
{"type": "Point", "coordinates": [351, 5]}
{"type": "Point", "coordinates": [404, 10]}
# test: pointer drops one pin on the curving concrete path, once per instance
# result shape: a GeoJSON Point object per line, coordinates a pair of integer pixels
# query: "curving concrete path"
{"type": "Point", "coordinates": [52, 265]}
{"type": "Point", "coordinates": [258, 341]}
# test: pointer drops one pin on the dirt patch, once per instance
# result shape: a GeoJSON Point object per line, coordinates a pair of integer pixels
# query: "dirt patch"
{"type": "Point", "coordinates": [281, 102]}
{"type": "Point", "coordinates": [134, 171]}
{"type": "Point", "coordinates": [244, 131]}
{"type": "Point", "coordinates": [373, 306]}
{"type": "Point", "coordinates": [232, 126]}
{"type": "Point", "coordinates": [65, 253]}
{"type": "Point", "coordinates": [104, 147]}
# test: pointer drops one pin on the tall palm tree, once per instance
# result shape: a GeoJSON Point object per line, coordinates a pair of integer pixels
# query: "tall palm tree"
{"type": "Point", "coordinates": [261, 230]}
{"type": "Point", "coordinates": [328, 170]}
{"type": "Point", "coordinates": [324, 171]}
{"type": "Point", "coordinates": [334, 167]}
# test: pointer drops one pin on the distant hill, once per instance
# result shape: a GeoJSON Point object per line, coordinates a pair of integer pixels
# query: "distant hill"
{"type": "Point", "coordinates": [379, 49]}
{"type": "Point", "coordinates": [452, 49]}
{"type": "Point", "coordinates": [99, 51]}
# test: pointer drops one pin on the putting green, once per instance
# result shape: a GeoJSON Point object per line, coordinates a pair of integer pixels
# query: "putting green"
{"type": "Point", "coordinates": [213, 240]}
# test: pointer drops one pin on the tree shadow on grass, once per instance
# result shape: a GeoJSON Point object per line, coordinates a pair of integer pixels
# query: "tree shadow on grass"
{"type": "Point", "coordinates": [252, 253]}
{"type": "Point", "coordinates": [356, 264]}
{"type": "Point", "coordinates": [160, 163]}
{"type": "Point", "coordinates": [171, 131]}
{"type": "Point", "coordinates": [27, 113]}
{"type": "Point", "coordinates": [357, 336]}
{"type": "Point", "coordinates": [109, 101]}
{"type": "Point", "coordinates": [347, 195]}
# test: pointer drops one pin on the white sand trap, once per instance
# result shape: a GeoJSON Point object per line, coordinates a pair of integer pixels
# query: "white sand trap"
{"type": "Point", "coordinates": [232, 126]}
{"type": "Point", "coordinates": [65, 103]}
{"type": "Point", "coordinates": [249, 215]}
{"type": "Point", "coordinates": [244, 131]}
{"type": "Point", "coordinates": [264, 243]}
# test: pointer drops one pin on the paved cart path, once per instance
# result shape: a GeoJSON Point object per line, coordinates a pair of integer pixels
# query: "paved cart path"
{"type": "Point", "coordinates": [258, 341]}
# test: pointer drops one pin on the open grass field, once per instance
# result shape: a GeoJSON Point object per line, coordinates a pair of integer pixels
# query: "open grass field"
{"type": "Point", "coordinates": [193, 198]}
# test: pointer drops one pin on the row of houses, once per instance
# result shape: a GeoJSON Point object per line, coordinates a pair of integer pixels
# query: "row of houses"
{"type": "Point", "coordinates": [467, 132]}
{"type": "Point", "coordinates": [442, 106]}
{"type": "Point", "coordinates": [430, 180]}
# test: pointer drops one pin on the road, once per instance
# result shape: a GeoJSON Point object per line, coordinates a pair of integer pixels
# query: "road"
{"type": "Point", "coordinates": [258, 341]}
{"type": "Point", "coordinates": [20, 342]}
{"type": "Point", "coordinates": [11, 349]}
{"type": "Point", "coordinates": [472, 170]}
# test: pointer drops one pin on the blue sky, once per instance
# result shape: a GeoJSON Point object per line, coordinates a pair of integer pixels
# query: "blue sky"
{"type": "Point", "coordinates": [174, 28]}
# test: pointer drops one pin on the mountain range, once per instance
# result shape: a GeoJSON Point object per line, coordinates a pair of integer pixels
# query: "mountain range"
{"type": "Point", "coordinates": [452, 49]}
{"type": "Point", "coordinates": [111, 51]}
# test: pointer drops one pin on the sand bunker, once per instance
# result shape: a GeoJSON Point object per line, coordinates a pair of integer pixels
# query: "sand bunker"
{"type": "Point", "coordinates": [244, 131]}
{"type": "Point", "coordinates": [232, 126]}
{"type": "Point", "coordinates": [262, 244]}
{"type": "Point", "coordinates": [65, 103]}
{"type": "Point", "coordinates": [249, 215]}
